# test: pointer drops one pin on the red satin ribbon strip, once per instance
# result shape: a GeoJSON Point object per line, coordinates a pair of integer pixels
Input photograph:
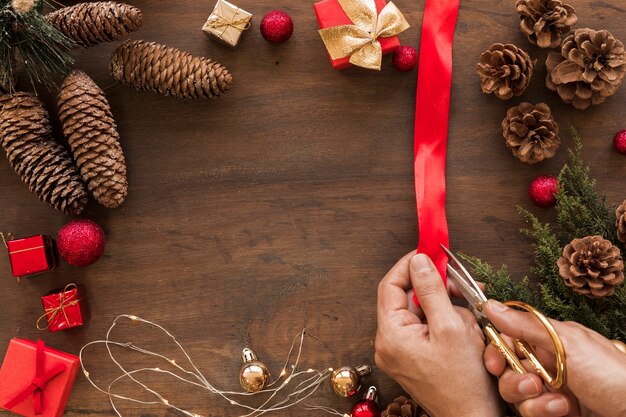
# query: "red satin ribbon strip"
{"type": "Point", "coordinates": [39, 382]}
{"type": "Point", "coordinates": [432, 105]}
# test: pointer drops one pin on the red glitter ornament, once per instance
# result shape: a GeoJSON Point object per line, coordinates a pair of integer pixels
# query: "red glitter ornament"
{"type": "Point", "coordinates": [543, 189]}
{"type": "Point", "coordinates": [405, 58]}
{"type": "Point", "coordinates": [368, 406]}
{"type": "Point", "coordinates": [619, 142]}
{"type": "Point", "coordinates": [81, 242]}
{"type": "Point", "coordinates": [276, 26]}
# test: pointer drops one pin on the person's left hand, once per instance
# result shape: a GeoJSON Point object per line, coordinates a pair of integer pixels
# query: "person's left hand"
{"type": "Point", "coordinates": [435, 352]}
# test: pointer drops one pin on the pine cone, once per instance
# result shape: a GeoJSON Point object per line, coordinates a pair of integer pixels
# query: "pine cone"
{"type": "Point", "coordinates": [592, 266]}
{"type": "Point", "coordinates": [531, 133]}
{"type": "Point", "coordinates": [544, 21]}
{"type": "Point", "coordinates": [41, 163]}
{"type": "Point", "coordinates": [589, 68]}
{"type": "Point", "coordinates": [161, 69]}
{"type": "Point", "coordinates": [92, 135]}
{"type": "Point", "coordinates": [504, 70]}
{"type": "Point", "coordinates": [89, 24]}
{"type": "Point", "coordinates": [403, 407]}
{"type": "Point", "coordinates": [620, 222]}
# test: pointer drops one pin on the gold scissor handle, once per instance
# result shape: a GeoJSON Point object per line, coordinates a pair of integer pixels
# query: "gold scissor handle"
{"type": "Point", "coordinates": [504, 349]}
{"type": "Point", "coordinates": [554, 382]}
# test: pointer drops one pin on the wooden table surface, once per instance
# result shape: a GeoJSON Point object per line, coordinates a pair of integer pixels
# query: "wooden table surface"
{"type": "Point", "coordinates": [286, 200]}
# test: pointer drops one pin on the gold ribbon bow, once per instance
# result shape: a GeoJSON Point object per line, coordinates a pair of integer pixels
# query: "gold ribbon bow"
{"type": "Point", "coordinates": [60, 309]}
{"type": "Point", "coordinates": [360, 40]}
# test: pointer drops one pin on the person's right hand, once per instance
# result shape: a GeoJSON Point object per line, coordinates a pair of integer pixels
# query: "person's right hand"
{"type": "Point", "coordinates": [595, 368]}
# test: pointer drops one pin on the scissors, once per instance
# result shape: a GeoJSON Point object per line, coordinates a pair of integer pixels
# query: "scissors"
{"type": "Point", "coordinates": [477, 299]}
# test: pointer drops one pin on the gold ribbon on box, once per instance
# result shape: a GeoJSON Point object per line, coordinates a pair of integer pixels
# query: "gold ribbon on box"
{"type": "Point", "coordinates": [227, 22]}
{"type": "Point", "coordinates": [360, 40]}
{"type": "Point", "coordinates": [64, 302]}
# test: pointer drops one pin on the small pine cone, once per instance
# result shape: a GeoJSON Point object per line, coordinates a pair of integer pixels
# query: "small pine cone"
{"type": "Point", "coordinates": [504, 70]}
{"type": "Point", "coordinates": [592, 266]}
{"type": "Point", "coordinates": [89, 24]}
{"type": "Point", "coordinates": [92, 135]}
{"type": "Point", "coordinates": [403, 407]}
{"type": "Point", "coordinates": [531, 133]}
{"type": "Point", "coordinates": [544, 21]}
{"type": "Point", "coordinates": [41, 163]}
{"type": "Point", "coordinates": [620, 222]}
{"type": "Point", "coordinates": [589, 67]}
{"type": "Point", "coordinates": [162, 69]}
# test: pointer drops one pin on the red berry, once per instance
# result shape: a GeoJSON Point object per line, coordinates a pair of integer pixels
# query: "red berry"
{"type": "Point", "coordinates": [619, 142]}
{"type": "Point", "coordinates": [276, 26]}
{"type": "Point", "coordinates": [81, 242]}
{"type": "Point", "coordinates": [405, 58]}
{"type": "Point", "coordinates": [543, 189]}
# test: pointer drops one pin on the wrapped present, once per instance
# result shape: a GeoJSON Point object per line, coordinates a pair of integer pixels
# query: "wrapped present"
{"type": "Point", "coordinates": [227, 23]}
{"type": "Point", "coordinates": [64, 309]}
{"type": "Point", "coordinates": [359, 32]}
{"type": "Point", "coordinates": [36, 380]}
{"type": "Point", "coordinates": [31, 255]}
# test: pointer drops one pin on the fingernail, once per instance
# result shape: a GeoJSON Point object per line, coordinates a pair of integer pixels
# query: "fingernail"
{"type": "Point", "coordinates": [421, 262]}
{"type": "Point", "coordinates": [528, 386]}
{"type": "Point", "coordinates": [497, 307]}
{"type": "Point", "coordinates": [558, 406]}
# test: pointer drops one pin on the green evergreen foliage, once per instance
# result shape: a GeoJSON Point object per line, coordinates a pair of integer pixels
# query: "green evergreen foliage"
{"type": "Point", "coordinates": [30, 44]}
{"type": "Point", "coordinates": [580, 212]}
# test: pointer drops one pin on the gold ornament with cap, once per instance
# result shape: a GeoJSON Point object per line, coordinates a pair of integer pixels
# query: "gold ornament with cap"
{"type": "Point", "coordinates": [346, 381]}
{"type": "Point", "coordinates": [254, 374]}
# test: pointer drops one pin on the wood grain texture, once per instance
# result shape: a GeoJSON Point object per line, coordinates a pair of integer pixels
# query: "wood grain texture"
{"type": "Point", "coordinates": [288, 198]}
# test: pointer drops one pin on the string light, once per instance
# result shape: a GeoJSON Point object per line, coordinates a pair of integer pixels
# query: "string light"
{"type": "Point", "coordinates": [280, 398]}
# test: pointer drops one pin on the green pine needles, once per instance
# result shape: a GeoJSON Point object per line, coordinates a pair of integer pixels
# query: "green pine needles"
{"type": "Point", "coordinates": [580, 212]}
{"type": "Point", "coordinates": [30, 44]}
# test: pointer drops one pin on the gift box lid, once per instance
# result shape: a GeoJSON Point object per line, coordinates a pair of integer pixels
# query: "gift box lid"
{"type": "Point", "coordinates": [31, 255]}
{"type": "Point", "coordinates": [18, 371]}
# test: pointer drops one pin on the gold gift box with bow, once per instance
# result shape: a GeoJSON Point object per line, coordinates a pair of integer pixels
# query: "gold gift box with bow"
{"type": "Point", "coordinates": [227, 23]}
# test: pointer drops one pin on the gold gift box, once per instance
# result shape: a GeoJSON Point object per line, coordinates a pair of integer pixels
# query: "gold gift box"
{"type": "Point", "coordinates": [227, 23]}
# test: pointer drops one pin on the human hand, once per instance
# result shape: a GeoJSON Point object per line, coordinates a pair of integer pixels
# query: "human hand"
{"type": "Point", "coordinates": [595, 368]}
{"type": "Point", "coordinates": [434, 353]}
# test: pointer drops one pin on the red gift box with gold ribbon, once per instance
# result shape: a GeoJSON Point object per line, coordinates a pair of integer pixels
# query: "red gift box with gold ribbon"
{"type": "Point", "coordinates": [36, 380]}
{"type": "Point", "coordinates": [31, 255]}
{"type": "Point", "coordinates": [64, 309]}
{"type": "Point", "coordinates": [359, 32]}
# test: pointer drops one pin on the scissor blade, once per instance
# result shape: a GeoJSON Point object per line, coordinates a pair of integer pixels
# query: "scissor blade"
{"type": "Point", "coordinates": [468, 277]}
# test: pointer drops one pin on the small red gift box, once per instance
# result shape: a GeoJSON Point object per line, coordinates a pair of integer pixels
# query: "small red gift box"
{"type": "Point", "coordinates": [36, 380]}
{"type": "Point", "coordinates": [31, 255]}
{"type": "Point", "coordinates": [64, 309]}
{"type": "Point", "coordinates": [330, 13]}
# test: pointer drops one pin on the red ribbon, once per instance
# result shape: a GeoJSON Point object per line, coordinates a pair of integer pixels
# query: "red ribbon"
{"type": "Point", "coordinates": [39, 382]}
{"type": "Point", "coordinates": [432, 105]}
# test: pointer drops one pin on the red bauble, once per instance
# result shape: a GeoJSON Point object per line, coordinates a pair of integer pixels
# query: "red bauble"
{"type": "Point", "coordinates": [619, 142]}
{"type": "Point", "coordinates": [276, 26]}
{"type": "Point", "coordinates": [405, 58]}
{"type": "Point", "coordinates": [366, 408]}
{"type": "Point", "coordinates": [543, 189]}
{"type": "Point", "coordinates": [81, 242]}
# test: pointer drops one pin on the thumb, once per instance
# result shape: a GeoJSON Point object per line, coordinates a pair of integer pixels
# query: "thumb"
{"type": "Point", "coordinates": [431, 291]}
{"type": "Point", "coordinates": [519, 325]}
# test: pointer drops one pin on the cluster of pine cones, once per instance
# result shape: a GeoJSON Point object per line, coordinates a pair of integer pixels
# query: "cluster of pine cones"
{"type": "Point", "coordinates": [97, 164]}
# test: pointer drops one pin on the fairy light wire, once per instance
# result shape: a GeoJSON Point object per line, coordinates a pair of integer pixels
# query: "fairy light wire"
{"type": "Point", "coordinates": [302, 391]}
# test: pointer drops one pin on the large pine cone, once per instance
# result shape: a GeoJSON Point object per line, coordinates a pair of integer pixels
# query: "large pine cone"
{"type": "Point", "coordinates": [161, 69]}
{"type": "Point", "coordinates": [504, 70]}
{"type": "Point", "coordinates": [92, 135]}
{"type": "Point", "coordinates": [41, 163]}
{"type": "Point", "coordinates": [531, 133]}
{"type": "Point", "coordinates": [403, 407]}
{"type": "Point", "coordinates": [589, 68]}
{"type": "Point", "coordinates": [592, 266]}
{"type": "Point", "coordinates": [544, 21]}
{"type": "Point", "coordinates": [620, 222]}
{"type": "Point", "coordinates": [89, 24]}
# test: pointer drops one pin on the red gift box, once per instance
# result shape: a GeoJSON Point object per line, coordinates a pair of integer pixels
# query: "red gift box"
{"type": "Point", "coordinates": [36, 380]}
{"type": "Point", "coordinates": [329, 14]}
{"type": "Point", "coordinates": [31, 255]}
{"type": "Point", "coordinates": [64, 309]}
